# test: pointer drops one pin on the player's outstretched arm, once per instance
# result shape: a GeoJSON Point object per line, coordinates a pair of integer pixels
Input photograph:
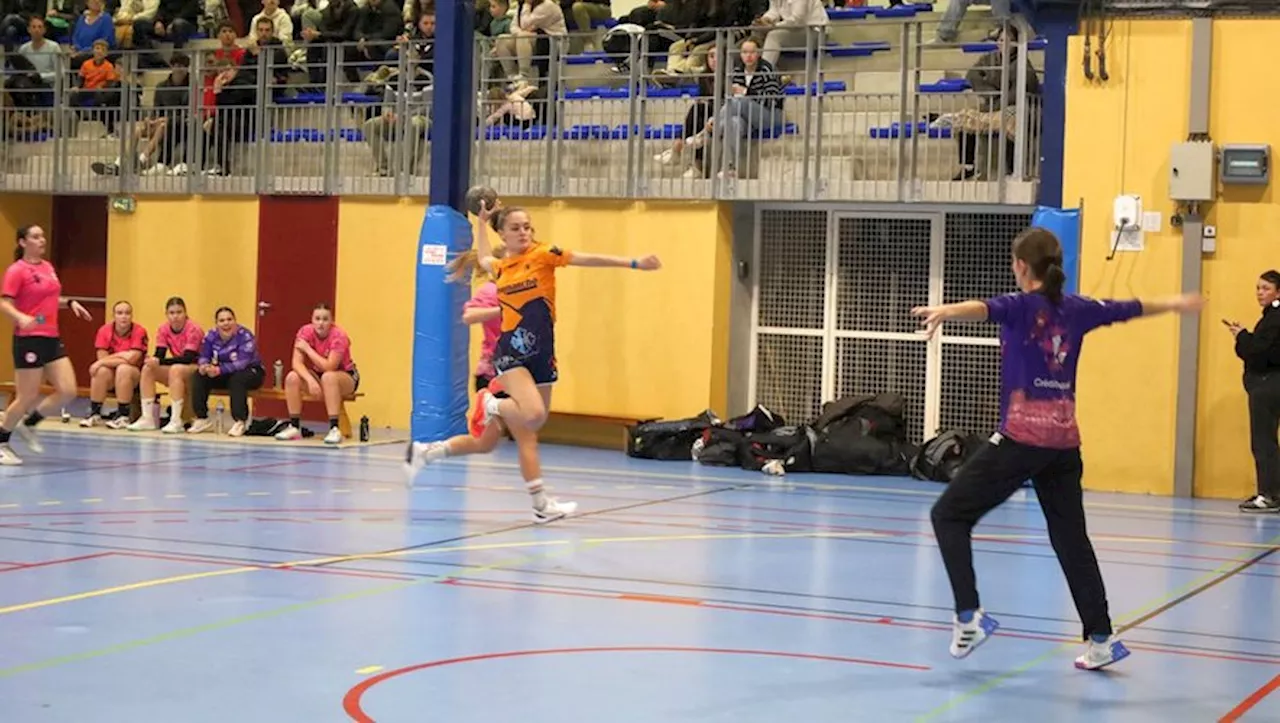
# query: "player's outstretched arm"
{"type": "Point", "coordinates": [933, 316]}
{"type": "Point", "coordinates": [647, 263]}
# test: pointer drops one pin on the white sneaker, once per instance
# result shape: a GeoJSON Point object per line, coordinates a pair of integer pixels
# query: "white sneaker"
{"type": "Point", "coordinates": [7, 456]}
{"type": "Point", "coordinates": [145, 423]}
{"type": "Point", "coordinates": [30, 438]}
{"type": "Point", "coordinates": [91, 421]}
{"type": "Point", "coordinates": [666, 158]}
{"type": "Point", "coordinates": [237, 430]}
{"type": "Point", "coordinates": [1100, 655]}
{"type": "Point", "coordinates": [965, 637]}
{"type": "Point", "coordinates": [200, 426]}
{"type": "Point", "coordinates": [173, 427]}
{"type": "Point", "coordinates": [289, 433]}
{"type": "Point", "coordinates": [554, 510]}
{"type": "Point", "coordinates": [119, 422]}
{"type": "Point", "coordinates": [419, 454]}
{"type": "Point", "coordinates": [333, 437]}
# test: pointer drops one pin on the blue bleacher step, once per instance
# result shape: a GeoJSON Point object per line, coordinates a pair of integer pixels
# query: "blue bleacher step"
{"type": "Point", "coordinates": [601, 132]}
{"type": "Point", "coordinates": [858, 13]}
{"type": "Point", "coordinates": [859, 49]}
{"type": "Point", "coordinates": [946, 85]}
{"type": "Point", "coordinates": [309, 98]}
{"type": "Point", "coordinates": [990, 46]}
{"type": "Point", "coordinates": [315, 135]}
{"type": "Point", "coordinates": [682, 91]}
{"type": "Point", "coordinates": [896, 130]}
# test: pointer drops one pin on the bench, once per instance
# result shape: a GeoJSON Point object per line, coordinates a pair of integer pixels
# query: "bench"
{"type": "Point", "coordinates": [266, 393]}
{"type": "Point", "coordinates": [587, 430]}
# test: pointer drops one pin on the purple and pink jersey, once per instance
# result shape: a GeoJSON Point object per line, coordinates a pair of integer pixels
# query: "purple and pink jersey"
{"type": "Point", "coordinates": [1040, 351]}
{"type": "Point", "coordinates": [336, 340]}
{"type": "Point", "coordinates": [184, 341]}
{"type": "Point", "coordinates": [36, 291]}
{"type": "Point", "coordinates": [112, 343]}
{"type": "Point", "coordinates": [486, 297]}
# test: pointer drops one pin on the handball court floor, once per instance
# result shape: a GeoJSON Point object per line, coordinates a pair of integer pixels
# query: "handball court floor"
{"type": "Point", "coordinates": [191, 581]}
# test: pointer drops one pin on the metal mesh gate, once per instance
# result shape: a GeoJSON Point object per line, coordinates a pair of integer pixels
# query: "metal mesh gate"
{"type": "Point", "coordinates": [832, 311]}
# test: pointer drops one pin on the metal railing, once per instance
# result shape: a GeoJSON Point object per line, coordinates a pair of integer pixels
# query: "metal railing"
{"type": "Point", "coordinates": [886, 120]}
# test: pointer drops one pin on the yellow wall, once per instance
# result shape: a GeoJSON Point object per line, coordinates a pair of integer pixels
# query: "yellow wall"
{"type": "Point", "coordinates": [377, 241]}
{"type": "Point", "coordinates": [18, 210]}
{"type": "Point", "coordinates": [1118, 136]}
{"type": "Point", "coordinates": [627, 343]}
{"type": "Point", "coordinates": [204, 249]}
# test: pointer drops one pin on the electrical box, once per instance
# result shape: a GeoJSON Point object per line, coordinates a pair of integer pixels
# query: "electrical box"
{"type": "Point", "coordinates": [1191, 176]}
{"type": "Point", "coordinates": [1248, 164]}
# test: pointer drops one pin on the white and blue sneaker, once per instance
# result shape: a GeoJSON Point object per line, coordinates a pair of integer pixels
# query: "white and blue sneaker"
{"type": "Point", "coordinates": [1099, 655]}
{"type": "Point", "coordinates": [965, 637]}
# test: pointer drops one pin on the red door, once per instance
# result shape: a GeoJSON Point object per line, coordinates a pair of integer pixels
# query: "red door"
{"type": "Point", "coordinates": [297, 268]}
{"type": "Point", "coordinates": [79, 253]}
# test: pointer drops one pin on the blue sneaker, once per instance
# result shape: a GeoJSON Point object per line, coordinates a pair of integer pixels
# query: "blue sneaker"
{"type": "Point", "coordinates": [1099, 655]}
{"type": "Point", "coordinates": [967, 636]}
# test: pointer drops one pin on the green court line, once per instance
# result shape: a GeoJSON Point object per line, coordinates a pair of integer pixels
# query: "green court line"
{"type": "Point", "coordinates": [1225, 569]}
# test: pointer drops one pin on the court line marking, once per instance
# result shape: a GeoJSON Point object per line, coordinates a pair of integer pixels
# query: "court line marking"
{"type": "Point", "coordinates": [1142, 614]}
{"type": "Point", "coordinates": [351, 701]}
{"type": "Point", "coordinates": [1252, 700]}
{"type": "Point", "coordinates": [368, 669]}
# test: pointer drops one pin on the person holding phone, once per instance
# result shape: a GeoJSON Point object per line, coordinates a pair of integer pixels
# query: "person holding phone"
{"type": "Point", "coordinates": [1260, 351]}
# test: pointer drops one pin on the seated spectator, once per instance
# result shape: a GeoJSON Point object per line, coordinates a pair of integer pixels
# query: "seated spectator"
{"type": "Point", "coordinates": [175, 21]}
{"type": "Point", "coordinates": [754, 103]}
{"type": "Point", "coordinates": [129, 12]}
{"type": "Point", "coordinates": [986, 77]}
{"type": "Point", "coordinates": [336, 24]}
{"type": "Point", "coordinates": [949, 26]}
{"type": "Point", "coordinates": [322, 367]}
{"type": "Point", "coordinates": [687, 55]}
{"type": "Point", "coordinates": [380, 132]}
{"type": "Point", "coordinates": [523, 107]}
{"type": "Point", "coordinates": [15, 17]}
{"type": "Point", "coordinates": [121, 345]}
{"type": "Point", "coordinates": [536, 21]}
{"type": "Point", "coordinates": [583, 12]}
{"type": "Point", "coordinates": [281, 24]}
{"type": "Point", "coordinates": [92, 26]}
{"type": "Point", "coordinates": [160, 134]}
{"type": "Point", "coordinates": [234, 116]}
{"type": "Point", "coordinates": [60, 16]}
{"type": "Point", "coordinates": [421, 42]}
{"type": "Point", "coordinates": [178, 343]}
{"type": "Point", "coordinates": [697, 121]}
{"type": "Point", "coordinates": [493, 18]}
{"type": "Point", "coordinates": [99, 86]}
{"type": "Point", "coordinates": [657, 18]}
{"type": "Point", "coordinates": [229, 360]}
{"type": "Point", "coordinates": [786, 25]}
{"type": "Point", "coordinates": [36, 68]}
{"type": "Point", "coordinates": [376, 31]}
{"type": "Point", "coordinates": [228, 49]}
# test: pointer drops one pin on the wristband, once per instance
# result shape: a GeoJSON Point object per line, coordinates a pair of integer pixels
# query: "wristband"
{"type": "Point", "coordinates": [633, 263]}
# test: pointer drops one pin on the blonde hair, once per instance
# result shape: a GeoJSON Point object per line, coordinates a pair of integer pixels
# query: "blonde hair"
{"type": "Point", "coordinates": [468, 263]}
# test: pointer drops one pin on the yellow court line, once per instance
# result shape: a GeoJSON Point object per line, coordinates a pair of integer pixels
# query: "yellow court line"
{"type": "Point", "coordinates": [369, 669]}
{"type": "Point", "coordinates": [123, 588]}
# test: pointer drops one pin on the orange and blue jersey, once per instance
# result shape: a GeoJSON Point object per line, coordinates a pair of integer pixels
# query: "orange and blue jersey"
{"type": "Point", "coordinates": [527, 294]}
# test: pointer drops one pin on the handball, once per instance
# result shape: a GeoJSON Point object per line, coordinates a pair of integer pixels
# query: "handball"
{"type": "Point", "coordinates": [476, 194]}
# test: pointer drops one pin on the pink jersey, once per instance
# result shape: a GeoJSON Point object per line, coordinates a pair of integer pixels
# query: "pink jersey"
{"type": "Point", "coordinates": [35, 290]}
{"type": "Point", "coordinates": [336, 340]}
{"type": "Point", "coordinates": [187, 339]}
{"type": "Point", "coordinates": [486, 297]}
{"type": "Point", "coordinates": [111, 342]}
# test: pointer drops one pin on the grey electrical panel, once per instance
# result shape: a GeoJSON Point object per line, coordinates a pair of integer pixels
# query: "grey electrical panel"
{"type": "Point", "coordinates": [1249, 164]}
{"type": "Point", "coordinates": [1191, 176]}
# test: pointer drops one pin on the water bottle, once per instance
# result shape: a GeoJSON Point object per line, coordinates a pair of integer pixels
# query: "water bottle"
{"type": "Point", "coordinates": [66, 416]}
{"type": "Point", "coordinates": [364, 429]}
{"type": "Point", "coordinates": [219, 422]}
{"type": "Point", "coordinates": [279, 367]}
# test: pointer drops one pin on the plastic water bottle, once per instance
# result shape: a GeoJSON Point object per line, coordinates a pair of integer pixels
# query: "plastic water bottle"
{"type": "Point", "coordinates": [279, 369]}
{"type": "Point", "coordinates": [364, 429]}
{"type": "Point", "coordinates": [219, 421]}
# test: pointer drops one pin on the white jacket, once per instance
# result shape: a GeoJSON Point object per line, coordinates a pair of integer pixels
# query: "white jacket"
{"type": "Point", "coordinates": [798, 13]}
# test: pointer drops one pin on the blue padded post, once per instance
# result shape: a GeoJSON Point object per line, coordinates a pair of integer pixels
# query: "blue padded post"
{"type": "Point", "coordinates": [1065, 224]}
{"type": "Point", "coordinates": [440, 340]}
{"type": "Point", "coordinates": [1056, 25]}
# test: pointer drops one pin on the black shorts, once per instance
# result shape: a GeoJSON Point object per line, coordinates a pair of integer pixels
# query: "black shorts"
{"type": "Point", "coordinates": [34, 352]}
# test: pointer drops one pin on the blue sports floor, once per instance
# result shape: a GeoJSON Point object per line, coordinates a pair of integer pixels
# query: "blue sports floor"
{"type": "Point", "coordinates": [190, 581]}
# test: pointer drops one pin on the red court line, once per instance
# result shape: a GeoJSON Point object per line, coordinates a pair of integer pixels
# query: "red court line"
{"type": "Point", "coordinates": [840, 617]}
{"type": "Point", "coordinates": [228, 563]}
{"type": "Point", "coordinates": [48, 563]}
{"type": "Point", "coordinates": [351, 702]}
{"type": "Point", "coordinates": [1248, 703]}
{"type": "Point", "coordinates": [256, 467]}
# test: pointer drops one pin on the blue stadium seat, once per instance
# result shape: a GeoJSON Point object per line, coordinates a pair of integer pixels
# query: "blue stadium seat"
{"type": "Point", "coordinates": [991, 46]}
{"type": "Point", "coordinates": [946, 85]}
{"type": "Point", "coordinates": [829, 86]}
{"type": "Point", "coordinates": [896, 130]}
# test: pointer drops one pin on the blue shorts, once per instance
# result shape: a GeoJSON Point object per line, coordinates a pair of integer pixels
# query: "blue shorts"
{"type": "Point", "coordinates": [521, 349]}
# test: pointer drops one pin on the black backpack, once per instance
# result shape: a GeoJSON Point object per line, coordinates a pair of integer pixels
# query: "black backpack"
{"type": "Point", "coordinates": [941, 458]}
{"type": "Point", "coordinates": [668, 440]}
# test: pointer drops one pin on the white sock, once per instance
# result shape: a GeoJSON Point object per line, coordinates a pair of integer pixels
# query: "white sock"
{"type": "Point", "coordinates": [177, 411]}
{"type": "Point", "coordinates": [534, 486]}
{"type": "Point", "coordinates": [147, 408]}
{"type": "Point", "coordinates": [491, 405]}
{"type": "Point", "coordinates": [437, 451]}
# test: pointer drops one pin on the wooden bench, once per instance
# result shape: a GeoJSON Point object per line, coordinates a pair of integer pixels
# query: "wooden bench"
{"type": "Point", "coordinates": [587, 430]}
{"type": "Point", "coordinates": [268, 393]}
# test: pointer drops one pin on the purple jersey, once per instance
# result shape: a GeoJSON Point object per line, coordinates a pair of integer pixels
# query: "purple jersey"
{"type": "Point", "coordinates": [230, 355]}
{"type": "Point", "coordinates": [1040, 350]}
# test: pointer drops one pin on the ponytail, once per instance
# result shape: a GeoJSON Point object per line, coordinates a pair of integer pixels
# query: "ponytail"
{"type": "Point", "coordinates": [22, 234]}
{"type": "Point", "coordinates": [1053, 280]}
{"type": "Point", "coordinates": [17, 252]}
{"type": "Point", "coordinates": [468, 263]}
